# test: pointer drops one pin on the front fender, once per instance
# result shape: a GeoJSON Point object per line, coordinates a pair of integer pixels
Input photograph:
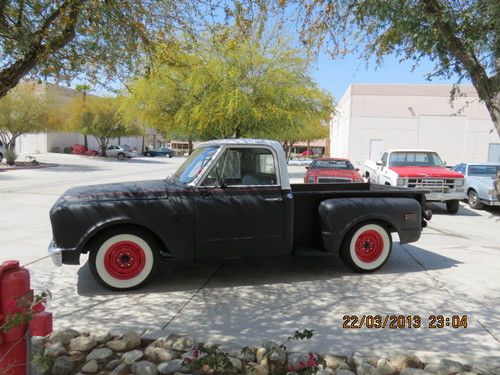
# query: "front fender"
{"type": "Point", "coordinates": [339, 215]}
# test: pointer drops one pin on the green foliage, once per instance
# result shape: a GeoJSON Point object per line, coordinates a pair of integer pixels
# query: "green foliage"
{"type": "Point", "coordinates": [26, 109]}
{"type": "Point", "coordinates": [210, 358]}
{"type": "Point", "coordinates": [100, 118]}
{"type": "Point", "coordinates": [42, 362]}
{"type": "Point", "coordinates": [10, 156]}
{"type": "Point", "coordinates": [100, 40]}
{"type": "Point", "coordinates": [460, 37]}
{"type": "Point", "coordinates": [227, 84]}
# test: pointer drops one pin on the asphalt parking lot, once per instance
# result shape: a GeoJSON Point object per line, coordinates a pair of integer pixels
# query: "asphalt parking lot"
{"type": "Point", "coordinates": [453, 270]}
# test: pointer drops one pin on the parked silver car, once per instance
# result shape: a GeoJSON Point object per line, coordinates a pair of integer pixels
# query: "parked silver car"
{"type": "Point", "coordinates": [479, 183]}
{"type": "Point", "coordinates": [2, 151]}
{"type": "Point", "coordinates": [121, 152]}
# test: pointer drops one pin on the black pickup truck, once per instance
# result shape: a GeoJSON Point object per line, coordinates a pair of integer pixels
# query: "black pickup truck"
{"type": "Point", "coordinates": [229, 199]}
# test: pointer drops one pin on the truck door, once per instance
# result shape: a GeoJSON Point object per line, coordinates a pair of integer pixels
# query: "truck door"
{"type": "Point", "coordinates": [239, 206]}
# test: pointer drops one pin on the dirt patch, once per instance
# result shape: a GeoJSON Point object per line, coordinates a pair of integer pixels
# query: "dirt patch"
{"type": "Point", "coordinates": [25, 165]}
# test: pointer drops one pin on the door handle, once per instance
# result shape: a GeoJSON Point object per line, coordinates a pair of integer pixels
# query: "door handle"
{"type": "Point", "coordinates": [277, 199]}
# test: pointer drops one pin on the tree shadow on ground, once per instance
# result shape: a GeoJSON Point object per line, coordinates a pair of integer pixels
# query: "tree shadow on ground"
{"type": "Point", "coordinates": [440, 209]}
{"type": "Point", "coordinates": [173, 277]}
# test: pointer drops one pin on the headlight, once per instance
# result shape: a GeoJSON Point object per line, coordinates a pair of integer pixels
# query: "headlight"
{"type": "Point", "coordinates": [492, 192]}
{"type": "Point", "coordinates": [310, 180]}
{"type": "Point", "coordinates": [402, 182]}
{"type": "Point", "coordinates": [459, 182]}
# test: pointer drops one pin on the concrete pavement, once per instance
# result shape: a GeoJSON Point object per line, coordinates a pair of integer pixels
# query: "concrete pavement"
{"type": "Point", "coordinates": [452, 270]}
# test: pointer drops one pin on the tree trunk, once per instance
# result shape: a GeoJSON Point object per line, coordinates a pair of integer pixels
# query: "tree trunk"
{"type": "Point", "coordinates": [493, 105]}
{"type": "Point", "coordinates": [85, 141]}
{"type": "Point", "coordinates": [190, 146]}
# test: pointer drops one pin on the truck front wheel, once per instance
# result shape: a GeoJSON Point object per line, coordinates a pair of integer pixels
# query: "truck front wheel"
{"type": "Point", "coordinates": [452, 206]}
{"type": "Point", "coordinates": [366, 247]}
{"type": "Point", "coordinates": [123, 259]}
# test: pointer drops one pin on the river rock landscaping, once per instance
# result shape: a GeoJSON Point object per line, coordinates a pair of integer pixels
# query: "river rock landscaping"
{"type": "Point", "coordinates": [68, 351]}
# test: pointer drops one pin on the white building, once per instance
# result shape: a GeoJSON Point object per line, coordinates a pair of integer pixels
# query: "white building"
{"type": "Point", "coordinates": [371, 118]}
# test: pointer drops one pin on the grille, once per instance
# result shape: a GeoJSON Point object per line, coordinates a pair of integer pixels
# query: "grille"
{"type": "Point", "coordinates": [333, 180]}
{"type": "Point", "coordinates": [431, 184]}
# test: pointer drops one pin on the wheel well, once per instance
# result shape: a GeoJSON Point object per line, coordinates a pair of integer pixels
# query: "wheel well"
{"type": "Point", "coordinates": [470, 189]}
{"type": "Point", "coordinates": [387, 183]}
{"type": "Point", "coordinates": [384, 224]}
{"type": "Point", "coordinates": [85, 248]}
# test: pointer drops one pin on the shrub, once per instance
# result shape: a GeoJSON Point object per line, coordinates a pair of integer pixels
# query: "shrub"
{"type": "Point", "coordinates": [10, 156]}
{"type": "Point", "coordinates": [79, 149]}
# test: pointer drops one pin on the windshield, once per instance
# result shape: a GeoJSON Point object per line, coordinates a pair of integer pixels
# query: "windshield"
{"type": "Point", "coordinates": [483, 170]}
{"type": "Point", "coordinates": [331, 164]}
{"type": "Point", "coordinates": [194, 164]}
{"type": "Point", "coordinates": [415, 159]}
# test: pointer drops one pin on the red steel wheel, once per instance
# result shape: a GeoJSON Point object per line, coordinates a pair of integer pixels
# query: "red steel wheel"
{"type": "Point", "coordinates": [366, 248]}
{"type": "Point", "coordinates": [122, 261]}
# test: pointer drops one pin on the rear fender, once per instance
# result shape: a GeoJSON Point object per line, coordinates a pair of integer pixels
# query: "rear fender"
{"type": "Point", "coordinates": [339, 215]}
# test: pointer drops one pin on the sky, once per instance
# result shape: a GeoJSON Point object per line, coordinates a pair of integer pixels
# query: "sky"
{"type": "Point", "coordinates": [336, 75]}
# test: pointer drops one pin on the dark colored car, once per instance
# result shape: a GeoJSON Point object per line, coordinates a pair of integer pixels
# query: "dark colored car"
{"type": "Point", "coordinates": [231, 198]}
{"type": "Point", "coordinates": [331, 171]}
{"type": "Point", "coordinates": [160, 151]}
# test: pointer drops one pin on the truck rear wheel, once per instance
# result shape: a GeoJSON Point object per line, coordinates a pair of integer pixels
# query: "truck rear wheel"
{"type": "Point", "coordinates": [452, 206]}
{"type": "Point", "coordinates": [123, 258]}
{"type": "Point", "coordinates": [366, 247]}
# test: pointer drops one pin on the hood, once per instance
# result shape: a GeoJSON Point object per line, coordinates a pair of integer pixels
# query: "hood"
{"type": "Point", "coordinates": [437, 172]}
{"type": "Point", "coordinates": [347, 173]}
{"type": "Point", "coordinates": [122, 190]}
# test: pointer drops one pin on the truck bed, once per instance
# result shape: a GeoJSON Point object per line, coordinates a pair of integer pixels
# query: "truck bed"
{"type": "Point", "coordinates": [307, 197]}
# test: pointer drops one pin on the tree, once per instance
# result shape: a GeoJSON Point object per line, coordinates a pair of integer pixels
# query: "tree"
{"type": "Point", "coordinates": [460, 37]}
{"type": "Point", "coordinates": [64, 39]}
{"type": "Point", "coordinates": [83, 89]}
{"type": "Point", "coordinates": [26, 109]}
{"type": "Point", "coordinates": [227, 84]}
{"type": "Point", "coordinates": [309, 131]}
{"type": "Point", "coordinates": [99, 117]}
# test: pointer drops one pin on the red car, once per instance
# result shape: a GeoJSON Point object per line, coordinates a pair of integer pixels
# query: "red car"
{"type": "Point", "coordinates": [331, 171]}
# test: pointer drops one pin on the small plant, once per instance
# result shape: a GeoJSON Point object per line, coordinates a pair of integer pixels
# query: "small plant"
{"type": "Point", "coordinates": [22, 311]}
{"type": "Point", "coordinates": [210, 359]}
{"type": "Point", "coordinates": [42, 362]}
{"type": "Point", "coordinates": [311, 366]}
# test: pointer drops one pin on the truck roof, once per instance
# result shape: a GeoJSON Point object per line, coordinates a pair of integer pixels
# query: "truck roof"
{"type": "Point", "coordinates": [410, 150]}
{"type": "Point", "coordinates": [245, 141]}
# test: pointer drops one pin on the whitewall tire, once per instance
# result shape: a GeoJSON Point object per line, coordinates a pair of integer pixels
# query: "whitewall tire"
{"type": "Point", "coordinates": [123, 260]}
{"type": "Point", "coordinates": [366, 248]}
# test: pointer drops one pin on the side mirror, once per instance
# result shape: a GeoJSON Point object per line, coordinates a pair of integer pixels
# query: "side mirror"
{"type": "Point", "coordinates": [356, 169]}
{"type": "Point", "coordinates": [379, 163]}
{"type": "Point", "coordinates": [307, 167]}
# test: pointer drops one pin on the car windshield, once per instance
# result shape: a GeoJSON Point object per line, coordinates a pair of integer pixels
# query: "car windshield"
{"type": "Point", "coordinates": [194, 164]}
{"type": "Point", "coordinates": [483, 170]}
{"type": "Point", "coordinates": [415, 159]}
{"type": "Point", "coordinates": [332, 164]}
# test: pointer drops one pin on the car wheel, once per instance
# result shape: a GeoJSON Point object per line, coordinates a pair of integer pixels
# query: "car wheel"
{"type": "Point", "coordinates": [124, 259]}
{"type": "Point", "coordinates": [366, 247]}
{"type": "Point", "coordinates": [168, 155]}
{"type": "Point", "coordinates": [120, 156]}
{"type": "Point", "coordinates": [452, 206]}
{"type": "Point", "coordinates": [474, 201]}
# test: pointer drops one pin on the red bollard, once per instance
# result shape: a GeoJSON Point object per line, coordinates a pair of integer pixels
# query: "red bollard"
{"type": "Point", "coordinates": [15, 292]}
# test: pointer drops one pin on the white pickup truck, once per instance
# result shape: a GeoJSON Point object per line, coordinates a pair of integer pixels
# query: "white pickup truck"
{"type": "Point", "coordinates": [420, 169]}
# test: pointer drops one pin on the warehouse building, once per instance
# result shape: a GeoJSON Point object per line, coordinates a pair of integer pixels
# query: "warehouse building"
{"type": "Point", "coordinates": [371, 118]}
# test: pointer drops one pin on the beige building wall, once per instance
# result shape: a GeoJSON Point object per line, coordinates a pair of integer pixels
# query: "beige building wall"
{"type": "Point", "coordinates": [412, 116]}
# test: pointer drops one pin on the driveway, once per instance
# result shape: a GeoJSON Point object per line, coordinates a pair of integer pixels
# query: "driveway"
{"type": "Point", "coordinates": [452, 270]}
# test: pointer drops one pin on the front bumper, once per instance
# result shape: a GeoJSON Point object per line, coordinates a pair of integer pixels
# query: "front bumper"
{"type": "Point", "coordinates": [488, 202]}
{"type": "Point", "coordinates": [55, 254]}
{"type": "Point", "coordinates": [442, 197]}
{"type": "Point", "coordinates": [63, 256]}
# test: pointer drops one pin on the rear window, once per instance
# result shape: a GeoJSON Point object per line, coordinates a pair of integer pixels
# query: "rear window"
{"type": "Point", "coordinates": [331, 164]}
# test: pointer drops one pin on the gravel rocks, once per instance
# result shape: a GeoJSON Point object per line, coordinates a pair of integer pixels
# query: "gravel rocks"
{"type": "Point", "coordinates": [100, 355]}
{"type": "Point", "coordinates": [170, 367]}
{"type": "Point", "coordinates": [83, 343]}
{"type": "Point", "coordinates": [127, 354]}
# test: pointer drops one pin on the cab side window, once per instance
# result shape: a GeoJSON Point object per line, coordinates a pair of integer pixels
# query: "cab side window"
{"type": "Point", "coordinates": [460, 168]}
{"type": "Point", "coordinates": [244, 166]}
{"type": "Point", "coordinates": [384, 159]}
